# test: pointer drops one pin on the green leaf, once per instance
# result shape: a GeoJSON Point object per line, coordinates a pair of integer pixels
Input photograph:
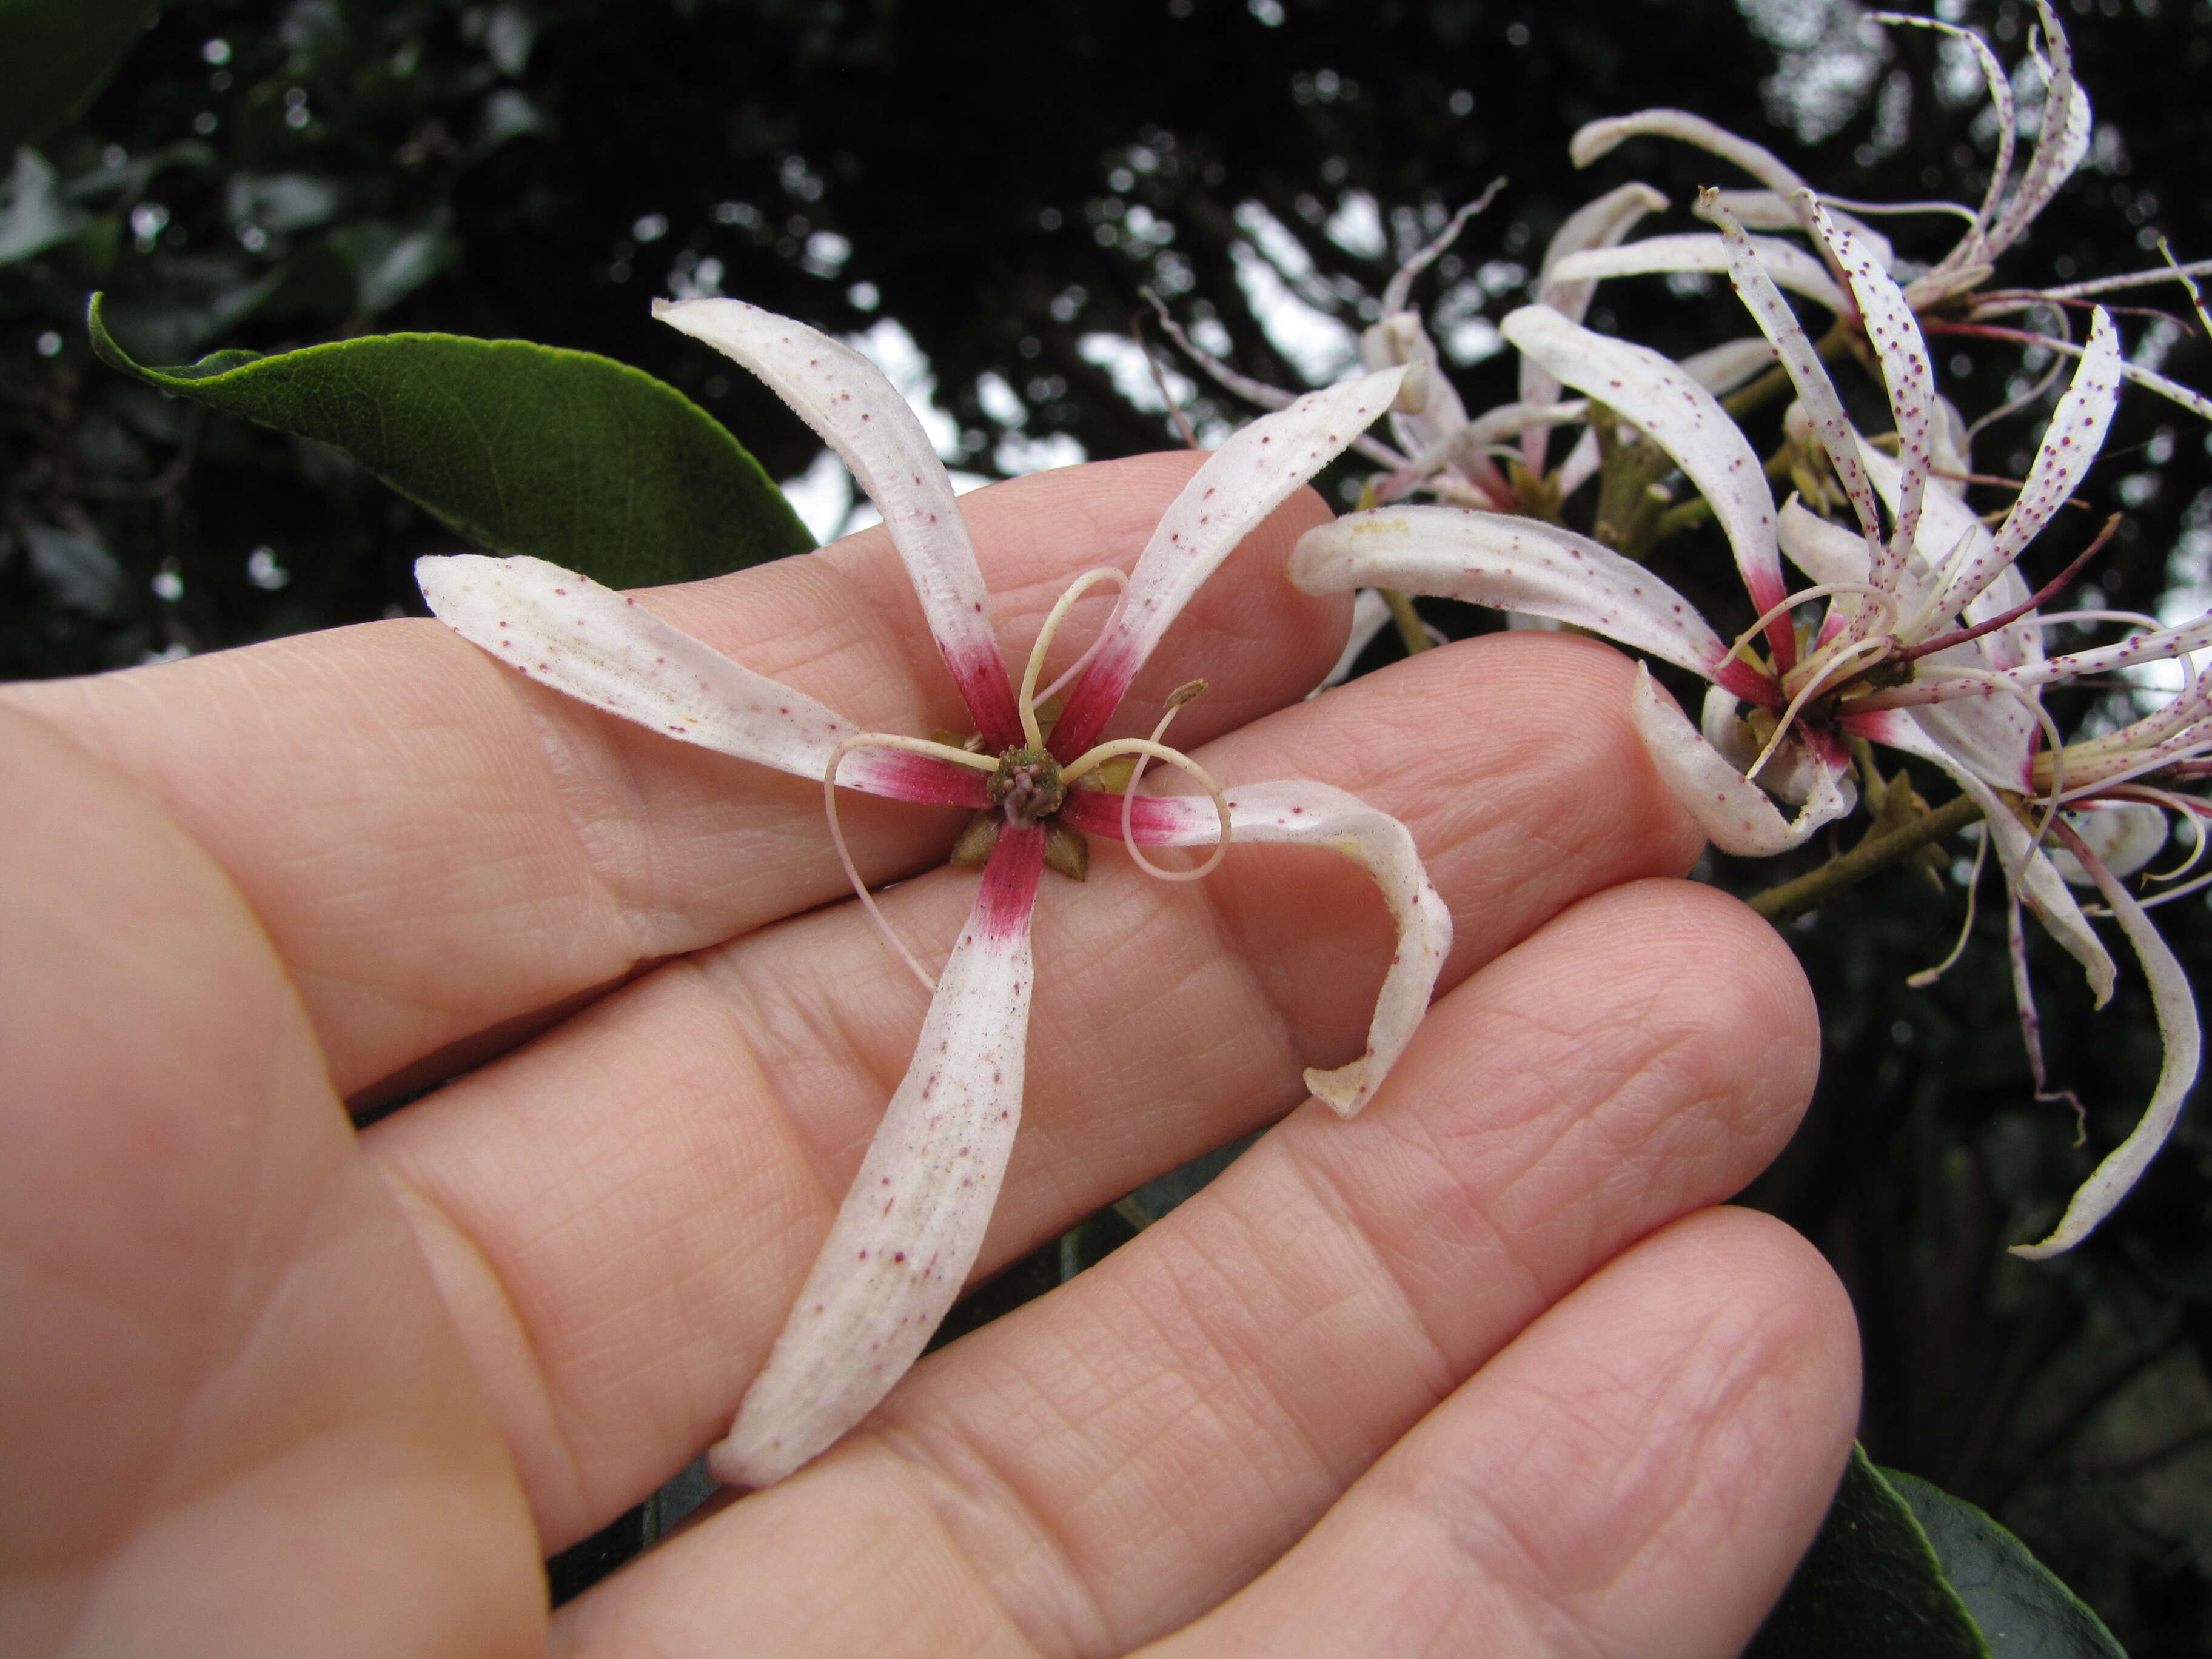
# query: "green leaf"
{"type": "Point", "coordinates": [56, 54]}
{"type": "Point", "coordinates": [2020, 1607]}
{"type": "Point", "coordinates": [1871, 1584]}
{"type": "Point", "coordinates": [522, 448]}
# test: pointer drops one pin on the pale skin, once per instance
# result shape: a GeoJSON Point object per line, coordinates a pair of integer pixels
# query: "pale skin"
{"type": "Point", "coordinates": [1484, 1370]}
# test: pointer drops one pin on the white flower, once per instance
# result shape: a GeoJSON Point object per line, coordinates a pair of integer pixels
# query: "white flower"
{"type": "Point", "coordinates": [1928, 641]}
{"type": "Point", "coordinates": [910, 1226]}
{"type": "Point", "coordinates": [1947, 295]}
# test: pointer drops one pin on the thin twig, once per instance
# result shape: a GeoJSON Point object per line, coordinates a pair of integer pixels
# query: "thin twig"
{"type": "Point", "coordinates": [1790, 898]}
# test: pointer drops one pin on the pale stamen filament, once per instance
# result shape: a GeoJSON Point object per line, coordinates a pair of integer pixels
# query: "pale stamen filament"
{"type": "Point", "coordinates": [1871, 650]}
{"type": "Point", "coordinates": [1882, 597]}
{"type": "Point", "coordinates": [1183, 696]}
{"type": "Point", "coordinates": [1031, 732]}
{"type": "Point", "coordinates": [1932, 614]}
{"type": "Point", "coordinates": [1928, 976]}
{"type": "Point", "coordinates": [1092, 759]}
{"type": "Point", "coordinates": [912, 745]}
{"type": "Point", "coordinates": [2194, 819]}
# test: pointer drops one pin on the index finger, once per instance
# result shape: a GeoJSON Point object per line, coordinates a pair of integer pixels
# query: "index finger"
{"type": "Point", "coordinates": [437, 847]}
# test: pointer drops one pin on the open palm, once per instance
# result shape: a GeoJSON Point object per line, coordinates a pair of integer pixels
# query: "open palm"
{"type": "Point", "coordinates": [1482, 1370]}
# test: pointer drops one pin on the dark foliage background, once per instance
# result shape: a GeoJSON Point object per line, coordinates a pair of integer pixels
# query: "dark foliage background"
{"type": "Point", "coordinates": [1001, 180]}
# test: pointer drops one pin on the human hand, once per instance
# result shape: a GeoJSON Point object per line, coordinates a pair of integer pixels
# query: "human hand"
{"type": "Point", "coordinates": [1480, 1370]}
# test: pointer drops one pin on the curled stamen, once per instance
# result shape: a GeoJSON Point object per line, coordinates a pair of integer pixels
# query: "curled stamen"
{"type": "Point", "coordinates": [1177, 700]}
{"type": "Point", "coordinates": [1882, 596]}
{"type": "Point", "coordinates": [1076, 590]}
{"type": "Point", "coordinates": [1931, 612]}
{"type": "Point", "coordinates": [1092, 759]}
{"type": "Point", "coordinates": [1928, 976]}
{"type": "Point", "coordinates": [912, 745]}
{"type": "Point", "coordinates": [1872, 650]}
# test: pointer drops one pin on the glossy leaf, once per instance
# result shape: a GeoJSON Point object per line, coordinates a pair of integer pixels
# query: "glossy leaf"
{"type": "Point", "coordinates": [56, 54]}
{"type": "Point", "coordinates": [1871, 1584]}
{"type": "Point", "coordinates": [523, 448]}
{"type": "Point", "coordinates": [2023, 1611]}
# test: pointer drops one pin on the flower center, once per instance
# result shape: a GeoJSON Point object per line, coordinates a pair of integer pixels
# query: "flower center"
{"type": "Point", "coordinates": [1027, 787]}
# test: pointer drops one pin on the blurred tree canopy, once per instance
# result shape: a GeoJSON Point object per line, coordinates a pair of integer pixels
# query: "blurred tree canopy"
{"type": "Point", "coordinates": [985, 190]}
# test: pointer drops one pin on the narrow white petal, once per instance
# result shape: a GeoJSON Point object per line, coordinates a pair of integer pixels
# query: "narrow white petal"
{"type": "Point", "coordinates": [1894, 333]}
{"type": "Point", "coordinates": [1721, 368]}
{"type": "Point", "coordinates": [1972, 247]}
{"type": "Point", "coordinates": [1790, 266]}
{"type": "Point", "coordinates": [1763, 210]}
{"type": "Point", "coordinates": [911, 1225]}
{"type": "Point", "coordinates": [2195, 402]}
{"type": "Point", "coordinates": [1594, 224]}
{"type": "Point", "coordinates": [1735, 813]}
{"type": "Point", "coordinates": [1754, 285]}
{"type": "Point", "coordinates": [2175, 1004]}
{"type": "Point", "coordinates": [1516, 564]}
{"type": "Point", "coordinates": [1597, 224]}
{"type": "Point", "coordinates": [1241, 483]}
{"type": "Point", "coordinates": [1823, 549]}
{"type": "Point", "coordinates": [606, 649]}
{"type": "Point", "coordinates": [2070, 446]}
{"type": "Point", "coordinates": [1681, 417]}
{"type": "Point", "coordinates": [1399, 341]}
{"type": "Point", "coordinates": [861, 415]}
{"type": "Point", "coordinates": [1600, 137]}
{"type": "Point", "coordinates": [2156, 646]}
{"type": "Point", "coordinates": [2059, 148]}
{"type": "Point", "coordinates": [1296, 810]}
{"type": "Point", "coordinates": [2026, 866]}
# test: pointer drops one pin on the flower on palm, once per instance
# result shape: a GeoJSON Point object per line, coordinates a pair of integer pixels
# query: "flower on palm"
{"type": "Point", "coordinates": [910, 1226]}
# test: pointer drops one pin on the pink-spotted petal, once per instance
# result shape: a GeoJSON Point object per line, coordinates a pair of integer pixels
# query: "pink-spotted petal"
{"type": "Point", "coordinates": [603, 649]}
{"type": "Point", "coordinates": [2059, 148]}
{"type": "Point", "coordinates": [911, 1224]}
{"type": "Point", "coordinates": [1685, 421]}
{"type": "Point", "coordinates": [1763, 210]}
{"type": "Point", "coordinates": [1972, 247]}
{"type": "Point", "coordinates": [2026, 866]}
{"type": "Point", "coordinates": [1756, 286]}
{"type": "Point", "coordinates": [2070, 445]}
{"type": "Point", "coordinates": [1786, 263]}
{"type": "Point", "coordinates": [861, 415]}
{"type": "Point", "coordinates": [2175, 1006]}
{"type": "Point", "coordinates": [1298, 812]}
{"type": "Point", "coordinates": [1735, 813]}
{"type": "Point", "coordinates": [1895, 336]}
{"type": "Point", "coordinates": [2156, 646]}
{"type": "Point", "coordinates": [1519, 564]}
{"type": "Point", "coordinates": [1241, 483]}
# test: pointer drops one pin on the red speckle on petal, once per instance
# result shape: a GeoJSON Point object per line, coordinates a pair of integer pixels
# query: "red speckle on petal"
{"type": "Point", "coordinates": [899, 1256]}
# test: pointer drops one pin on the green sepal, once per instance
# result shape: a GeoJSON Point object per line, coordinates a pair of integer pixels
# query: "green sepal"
{"type": "Point", "coordinates": [522, 448]}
